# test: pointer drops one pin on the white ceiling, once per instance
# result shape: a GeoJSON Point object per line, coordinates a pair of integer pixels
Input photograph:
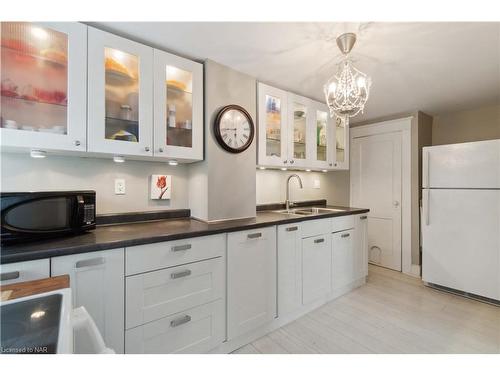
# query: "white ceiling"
{"type": "Point", "coordinates": [434, 67]}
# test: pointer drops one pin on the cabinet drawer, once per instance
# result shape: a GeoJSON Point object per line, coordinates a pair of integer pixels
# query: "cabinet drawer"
{"type": "Point", "coordinates": [316, 227]}
{"type": "Point", "coordinates": [154, 295]}
{"type": "Point", "coordinates": [342, 223]}
{"type": "Point", "coordinates": [159, 255]}
{"type": "Point", "coordinates": [24, 271]}
{"type": "Point", "coordinates": [196, 330]}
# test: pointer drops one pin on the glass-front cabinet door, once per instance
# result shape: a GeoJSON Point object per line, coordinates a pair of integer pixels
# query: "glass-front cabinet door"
{"type": "Point", "coordinates": [321, 134]}
{"type": "Point", "coordinates": [178, 95]}
{"type": "Point", "coordinates": [273, 127]}
{"type": "Point", "coordinates": [341, 142]}
{"type": "Point", "coordinates": [299, 125]}
{"type": "Point", "coordinates": [43, 85]}
{"type": "Point", "coordinates": [120, 95]}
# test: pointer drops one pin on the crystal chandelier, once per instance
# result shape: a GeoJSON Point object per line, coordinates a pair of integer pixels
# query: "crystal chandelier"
{"type": "Point", "coordinates": [348, 90]}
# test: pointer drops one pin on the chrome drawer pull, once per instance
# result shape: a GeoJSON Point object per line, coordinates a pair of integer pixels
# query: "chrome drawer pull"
{"type": "Point", "coordinates": [179, 321]}
{"type": "Point", "coordinates": [319, 240]}
{"type": "Point", "coordinates": [255, 235]}
{"type": "Point", "coordinates": [345, 235]}
{"type": "Point", "coordinates": [291, 229]}
{"type": "Point", "coordinates": [90, 262]}
{"type": "Point", "coordinates": [181, 247]}
{"type": "Point", "coordinates": [178, 275]}
{"type": "Point", "coordinates": [363, 217]}
{"type": "Point", "coordinates": [9, 276]}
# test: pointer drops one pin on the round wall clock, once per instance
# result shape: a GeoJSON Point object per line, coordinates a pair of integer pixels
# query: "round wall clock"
{"type": "Point", "coordinates": [234, 129]}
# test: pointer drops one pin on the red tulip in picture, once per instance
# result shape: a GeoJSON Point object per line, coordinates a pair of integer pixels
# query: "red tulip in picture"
{"type": "Point", "coordinates": [160, 187]}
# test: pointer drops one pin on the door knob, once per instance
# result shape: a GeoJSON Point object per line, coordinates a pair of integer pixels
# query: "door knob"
{"type": "Point", "coordinates": [396, 204]}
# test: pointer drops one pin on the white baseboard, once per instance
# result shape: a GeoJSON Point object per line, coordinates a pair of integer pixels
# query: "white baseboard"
{"type": "Point", "coordinates": [415, 270]}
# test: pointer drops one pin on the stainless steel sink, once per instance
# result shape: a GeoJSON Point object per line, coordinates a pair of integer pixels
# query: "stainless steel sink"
{"type": "Point", "coordinates": [306, 211]}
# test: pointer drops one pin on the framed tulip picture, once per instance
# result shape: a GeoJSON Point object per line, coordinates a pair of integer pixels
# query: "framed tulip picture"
{"type": "Point", "coordinates": [161, 186]}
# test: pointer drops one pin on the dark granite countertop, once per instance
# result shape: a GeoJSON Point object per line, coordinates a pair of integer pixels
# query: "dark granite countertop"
{"type": "Point", "coordinates": [121, 235]}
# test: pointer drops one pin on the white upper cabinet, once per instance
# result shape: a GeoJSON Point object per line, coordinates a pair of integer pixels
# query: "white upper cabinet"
{"type": "Point", "coordinates": [273, 126]}
{"type": "Point", "coordinates": [43, 85]}
{"type": "Point", "coordinates": [298, 133]}
{"type": "Point", "coordinates": [178, 107]}
{"type": "Point", "coordinates": [120, 95]}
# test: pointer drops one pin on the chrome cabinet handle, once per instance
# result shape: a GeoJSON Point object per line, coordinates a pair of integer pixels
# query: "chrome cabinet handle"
{"type": "Point", "coordinates": [77, 143]}
{"type": "Point", "coordinates": [181, 247]}
{"type": "Point", "coordinates": [291, 229]}
{"type": "Point", "coordinates": [285, 161]}
{"type": "Point", "coordinates": [319, 240]}
{"type": "Point", "coordinates": [146, 148]}
{"type": "Point", "coordinates": [9, 275]}
{"type": "Point", "coordinates": [364, 217]}
{"type": "Point", "coordinates": [292, 161]}
{"type": "Point", "coordinates": [160, 149]}
{"type": "Point", "coordinates": [178, 275]}
{"type": "Point", "coordinates": [90, 262]}
{"type": "Point", "coordinates": [254, 235]}
{"type": "Point", "coordinates": [345, 235]}
{"type": "Point", "coordinates": [179, 321]}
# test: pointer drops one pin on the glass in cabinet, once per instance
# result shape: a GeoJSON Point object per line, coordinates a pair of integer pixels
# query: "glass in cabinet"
{"type": "Point", "coordinates": [178, 93]}
{"type": "Point", "coordinates": [299, 145]}
{"type": "Point", "coordinates": [120, 99]}
{"type": "Point", "coordinates": [321, 133]}
{"type": "Point", "coordinates": [43, 85]}
{"type": "Point", "coordinates": [341, 143]}
{"type": "Point", "coordinates": [273, 126]}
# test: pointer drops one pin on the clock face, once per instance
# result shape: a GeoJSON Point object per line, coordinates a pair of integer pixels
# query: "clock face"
{"type": "Point", "coordinates": [234, 129]}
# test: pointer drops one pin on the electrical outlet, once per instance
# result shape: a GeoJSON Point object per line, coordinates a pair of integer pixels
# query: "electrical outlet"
{"type": "Point", "coordinates": [316, 184]}
{"type": "Point", "coordinates": [119, 186]}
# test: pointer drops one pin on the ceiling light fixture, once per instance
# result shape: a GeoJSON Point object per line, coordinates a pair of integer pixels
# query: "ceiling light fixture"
{"type": "Point", "coordinates": [118, 159]}
{"type": "Point", "coordinates": [38, 154]}
{"type": "Point", "coordinates": [348, 90]}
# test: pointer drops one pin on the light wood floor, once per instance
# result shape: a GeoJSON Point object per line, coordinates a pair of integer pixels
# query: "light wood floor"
{"type": "Point", "coordinates": [392, 313]}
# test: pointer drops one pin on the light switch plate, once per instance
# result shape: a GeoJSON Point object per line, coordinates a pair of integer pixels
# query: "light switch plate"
{"type": "Point", "coordinates": [316, 184]}
{"type": "Point", "coordinates": [119, 186]}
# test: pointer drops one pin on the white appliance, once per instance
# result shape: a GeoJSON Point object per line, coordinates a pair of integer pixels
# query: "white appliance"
{"type": "Point", "coordinates": [46, 323]}
{"type": "Point", "coordinates": [461, 217]}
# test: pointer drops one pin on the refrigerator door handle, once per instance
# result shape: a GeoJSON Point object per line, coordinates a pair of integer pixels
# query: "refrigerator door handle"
{"type": "Point", "coordinates": [425, 205]}
{"type": "Point", "coordinates": [426, 176]}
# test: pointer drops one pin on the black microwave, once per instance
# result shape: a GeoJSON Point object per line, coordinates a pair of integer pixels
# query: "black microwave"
{"type": "Point", "coordinates": [37, 215]}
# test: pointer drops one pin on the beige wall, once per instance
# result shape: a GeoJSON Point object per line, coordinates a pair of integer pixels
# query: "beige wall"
{"type": "Point", "coordinates": [466, 126]}
{"type": "Point", "coordinates": [20, 172]}
{"type": "Point", "coordinates": [334, 186]}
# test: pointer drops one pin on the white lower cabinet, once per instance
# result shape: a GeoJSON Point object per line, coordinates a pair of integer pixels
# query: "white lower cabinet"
{"type": "Point", "coordinates": [251, 280]}
{"type": "Point", "coordinates": [289, 268]}
{"type": "Point", "coordinates": [343, 266]}
{"type": "Point", "coordinates": [156, 294]}
{"type": "Point", "coordinates": [316, 268]}
{"type": "Point", "coordinates": [97, 283]}
{"type": "Point", "coordinates": [196, 330]}
{"type": "Point", "coordinates": [24, 271]}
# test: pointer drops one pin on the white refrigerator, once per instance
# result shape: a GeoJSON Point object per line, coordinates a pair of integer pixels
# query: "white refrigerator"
{"type": "Point", "coordinates": [460, 220]}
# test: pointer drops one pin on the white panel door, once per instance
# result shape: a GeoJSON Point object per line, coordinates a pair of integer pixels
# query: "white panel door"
{"type": "Point", "coordinates": [273, 126]}
{"type": "Point", "coordinates": [376, 184]}
{"type": "Point", "coordinates": [289, 268]}
{"type": "Point", "coordinates": [464, 165]}
{"type": "Point", "coordinates": [461, 240]}
{"type": "Point", "coordinates": [251, 280]}
{"type": "Point", "coordinates": [97, 283]}
{"type": "Point", "coordinates": [120, 95]}
{"type": "Point", "coordinates": [44, 81]}
{"type": "Point", "coordinates": [178, 106]}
